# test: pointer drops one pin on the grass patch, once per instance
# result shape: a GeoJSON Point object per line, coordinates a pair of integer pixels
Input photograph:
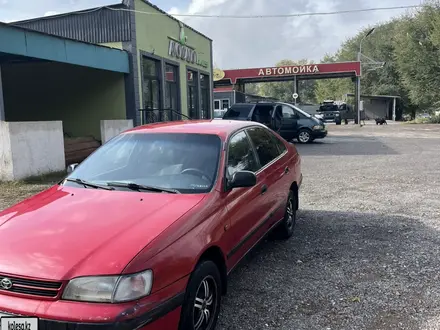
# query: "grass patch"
{"type": "Point", "coordinates": [432, 120]}
{"type": "Point", "coordinates": [44, 179]}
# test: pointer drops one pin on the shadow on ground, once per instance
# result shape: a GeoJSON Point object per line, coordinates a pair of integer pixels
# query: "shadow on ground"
{"type": "Point", "coordinates": [345, 146]}
{"type": "Point", "coordinates": [341, 270]}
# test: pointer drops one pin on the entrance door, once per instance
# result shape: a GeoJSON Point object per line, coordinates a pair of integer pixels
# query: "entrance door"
{"type": "Point", "coordinates": [193, 100]}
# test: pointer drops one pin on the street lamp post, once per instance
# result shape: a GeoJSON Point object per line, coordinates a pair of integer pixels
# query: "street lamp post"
{"type": "Point", "coordinates": [358, 83]}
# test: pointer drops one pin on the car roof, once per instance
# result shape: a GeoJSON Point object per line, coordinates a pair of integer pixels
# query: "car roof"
{"type": "Point", "coordinates": [221, 128]}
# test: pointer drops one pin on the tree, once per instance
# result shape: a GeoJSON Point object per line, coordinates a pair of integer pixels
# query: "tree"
{"type": "Point", "coordinates": [418, 56]}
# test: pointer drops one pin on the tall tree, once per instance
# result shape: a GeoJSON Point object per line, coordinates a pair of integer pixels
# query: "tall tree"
{"type": "Point", "coordinates": [418, 56]}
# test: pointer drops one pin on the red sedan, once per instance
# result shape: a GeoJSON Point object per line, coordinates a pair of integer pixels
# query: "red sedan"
{"type": "Point", "coordinates": [143, 234]}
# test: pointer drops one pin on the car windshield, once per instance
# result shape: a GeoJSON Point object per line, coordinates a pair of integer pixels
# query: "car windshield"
{"type": "Point", "coordinates": [180, 162]}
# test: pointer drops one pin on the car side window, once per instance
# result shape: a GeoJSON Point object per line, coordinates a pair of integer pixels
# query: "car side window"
{"type": "Point", "coordinates": [241, 156]}
{"type": "Point", "coordinates": [288, 112]}
{"type": "Point", "coordinates": [280, 144]}
{"type": "Point", "coordinates": [266, 149]}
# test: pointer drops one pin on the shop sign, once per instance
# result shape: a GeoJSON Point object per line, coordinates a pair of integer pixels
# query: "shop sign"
{"type": "Point", "coordinates": [218, 74]}
{"type": "Point", "coordinates": [180, 49]}
{"type": "Point", "coordinates": [286, 70]}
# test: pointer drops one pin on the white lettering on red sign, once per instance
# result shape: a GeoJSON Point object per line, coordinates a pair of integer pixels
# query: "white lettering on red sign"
{"type": "Point", "coordinates": [285, 70]}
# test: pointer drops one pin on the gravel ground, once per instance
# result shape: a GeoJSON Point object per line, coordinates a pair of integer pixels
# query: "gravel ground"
{"type": "Point", "coordinates": [366, 251]}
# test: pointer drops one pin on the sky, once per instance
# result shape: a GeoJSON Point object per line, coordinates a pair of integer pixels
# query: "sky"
{"type": "Point", "coordinates": [240, 43]}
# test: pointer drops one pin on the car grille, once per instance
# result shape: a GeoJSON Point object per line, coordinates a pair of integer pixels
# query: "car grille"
{"type": "Point", "coordinates": [32, 287]}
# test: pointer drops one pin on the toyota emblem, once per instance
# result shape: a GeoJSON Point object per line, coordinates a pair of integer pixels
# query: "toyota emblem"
{"type": "Point", "coordinates": [5, 283]}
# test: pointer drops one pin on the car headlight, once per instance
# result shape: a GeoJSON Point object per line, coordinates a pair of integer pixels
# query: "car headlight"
{"type": "Point", "coordinates": [109, 289]}
{"type": "Point", "coordinates": [318, 127]}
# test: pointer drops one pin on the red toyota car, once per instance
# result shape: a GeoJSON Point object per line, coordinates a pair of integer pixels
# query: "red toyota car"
{"type": "Point", "coordinates": [144, 232]}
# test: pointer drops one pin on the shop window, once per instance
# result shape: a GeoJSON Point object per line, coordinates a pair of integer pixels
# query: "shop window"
{"type": "Point", "coordinates": [204, 97]}
{"type": "Point", "coordinates": [151, 83]}
{"type": "Point", "coordinates": [225, 104]}
{"type": "Point", "coordinates": [171, 89]}
{"type": "Point", "coordinates": [193, 108]}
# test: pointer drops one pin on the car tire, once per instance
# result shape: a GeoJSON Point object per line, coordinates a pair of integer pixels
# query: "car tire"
{"type": "Point", "coordinates": [304, 136]}
{"type": "Point", "coordinates": [205, 282]}
{"type": "Point", "coordinates": [287, 226]}
{"type": "Point", "coordinates": [338, 122]}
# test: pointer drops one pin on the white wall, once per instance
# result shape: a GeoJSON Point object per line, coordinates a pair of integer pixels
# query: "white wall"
{"type": "Point", "coordinates": [111, 128]}
{"type": "Point", "coordinates": [36, 148]}
{"type": "Point", "coordinates": [5, 152]}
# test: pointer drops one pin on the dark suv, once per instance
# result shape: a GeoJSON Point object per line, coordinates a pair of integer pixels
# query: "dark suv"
{"type": "Point", "coordinates": [286, 119]}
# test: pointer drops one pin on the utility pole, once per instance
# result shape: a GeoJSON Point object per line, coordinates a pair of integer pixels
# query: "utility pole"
{"type": "Point", "coordinates": [358, 80]}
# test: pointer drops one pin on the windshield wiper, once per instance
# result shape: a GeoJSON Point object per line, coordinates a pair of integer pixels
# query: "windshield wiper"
{"type": "Point", "coordinates": [89, 184]}
{"type": "Point", "coordinates": [139, 187]}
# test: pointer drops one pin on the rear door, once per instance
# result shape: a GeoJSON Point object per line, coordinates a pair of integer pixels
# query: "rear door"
{"type": "Point", "coordinates": [239, 111]}
{"type": "Point", "coordinates": [289, 122]}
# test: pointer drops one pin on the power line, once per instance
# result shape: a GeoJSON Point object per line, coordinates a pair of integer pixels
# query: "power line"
{"type": "Point", "coordinates": [275, 15]}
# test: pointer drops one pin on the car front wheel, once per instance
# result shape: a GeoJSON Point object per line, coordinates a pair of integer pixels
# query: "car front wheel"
{"type": "Point", "coordinates": [201, 306]}
{"type": "Point", "coordinates": [304, 136]}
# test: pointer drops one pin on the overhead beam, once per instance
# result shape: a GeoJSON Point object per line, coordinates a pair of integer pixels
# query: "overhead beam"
{"type": "Point", "coordinates": [19, 41]}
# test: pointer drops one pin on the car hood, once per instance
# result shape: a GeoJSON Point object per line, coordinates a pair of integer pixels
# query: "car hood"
{"type": "Point", "coordinates": [67, 232]}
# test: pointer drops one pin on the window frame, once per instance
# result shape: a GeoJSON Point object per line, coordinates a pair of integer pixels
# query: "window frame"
{"type": "Point", "coordinates": [251, 146]}
{"type": "Point", "coordinates": [282, 152]}
{"type": "Point", "coordinates": [295, 114]}
{"type": "Point", "coordinates": [198, 72]}
{"type": "Point", "coordinates": [226, 159]}
{"type": "Point", "coordinates": [148, 79]}
{"type": "Point", "coordinates": [177, 82]}
{"type": "Point", "coordinates": [273, 161]}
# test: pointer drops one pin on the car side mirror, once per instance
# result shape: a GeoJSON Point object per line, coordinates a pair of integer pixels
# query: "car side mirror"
{"type": "Point", "coordinates": [242, 179]}
{"type": "Point", "coordinates": [71, 168]}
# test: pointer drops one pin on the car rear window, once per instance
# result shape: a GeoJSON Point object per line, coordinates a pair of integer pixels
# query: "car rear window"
{"type": "Point", "coordinates": [238, 111]}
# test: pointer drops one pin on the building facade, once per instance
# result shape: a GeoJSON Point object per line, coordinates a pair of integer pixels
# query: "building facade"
{"type": "Point", "coordinates": [170, 63]}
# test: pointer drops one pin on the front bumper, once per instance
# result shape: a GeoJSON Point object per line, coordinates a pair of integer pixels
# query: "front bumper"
{"type": "Point", "coordinates": [161, 310]}
{"type": "Point", "coordinates": [164, 316]}
{"type": "Point", "coordinates": [319, 134]}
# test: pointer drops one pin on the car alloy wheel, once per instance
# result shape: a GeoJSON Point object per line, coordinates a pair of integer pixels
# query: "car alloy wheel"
{"type": "Point", "coordinates": [201, 305]}
{"type": "Point", "coordinates": [290, 215]}
{"type": "Point", "coordinates": [205, 304]}
{"type": "Point", "coordinates": [285, 229]}
{"type": "Point", "coordinates": [304, 136]}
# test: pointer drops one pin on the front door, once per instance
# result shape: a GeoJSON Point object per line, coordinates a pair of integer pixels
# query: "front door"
{"type": "Point", "coordinates": [244, 205]}
{"type": "Point", "coordinates": [289, 122]}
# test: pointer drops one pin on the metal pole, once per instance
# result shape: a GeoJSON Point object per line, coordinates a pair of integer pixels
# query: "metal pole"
{"type": "Point", "coordinates": [2, 104]}
{"type": "Point", "coordinates": [394, 109]}
{"type": "Point", "coordinates": [295, 86]}
{"type": "Point", "coordinates": [358, 87]}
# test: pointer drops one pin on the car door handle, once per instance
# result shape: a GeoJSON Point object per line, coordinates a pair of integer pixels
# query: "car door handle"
{"type": "Point", "coordinates": [263, 189]}
{"type": "Point", "coordinates": [286, 170]}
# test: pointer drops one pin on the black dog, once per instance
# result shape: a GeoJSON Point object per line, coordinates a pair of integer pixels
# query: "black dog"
{"type": "Point", "coordinates": [381, 121]}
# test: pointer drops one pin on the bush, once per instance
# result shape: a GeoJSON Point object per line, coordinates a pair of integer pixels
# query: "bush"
{"type": "Point", "coordinates": [435, 120]}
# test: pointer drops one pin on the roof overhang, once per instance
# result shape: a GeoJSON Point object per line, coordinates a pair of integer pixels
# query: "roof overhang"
{"type": "Point", "coordinates": [375, 96]}
{"type": "Point", "coordinates": [282, 73]}
{"type": "Point", "coordinates": [19, 44]}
